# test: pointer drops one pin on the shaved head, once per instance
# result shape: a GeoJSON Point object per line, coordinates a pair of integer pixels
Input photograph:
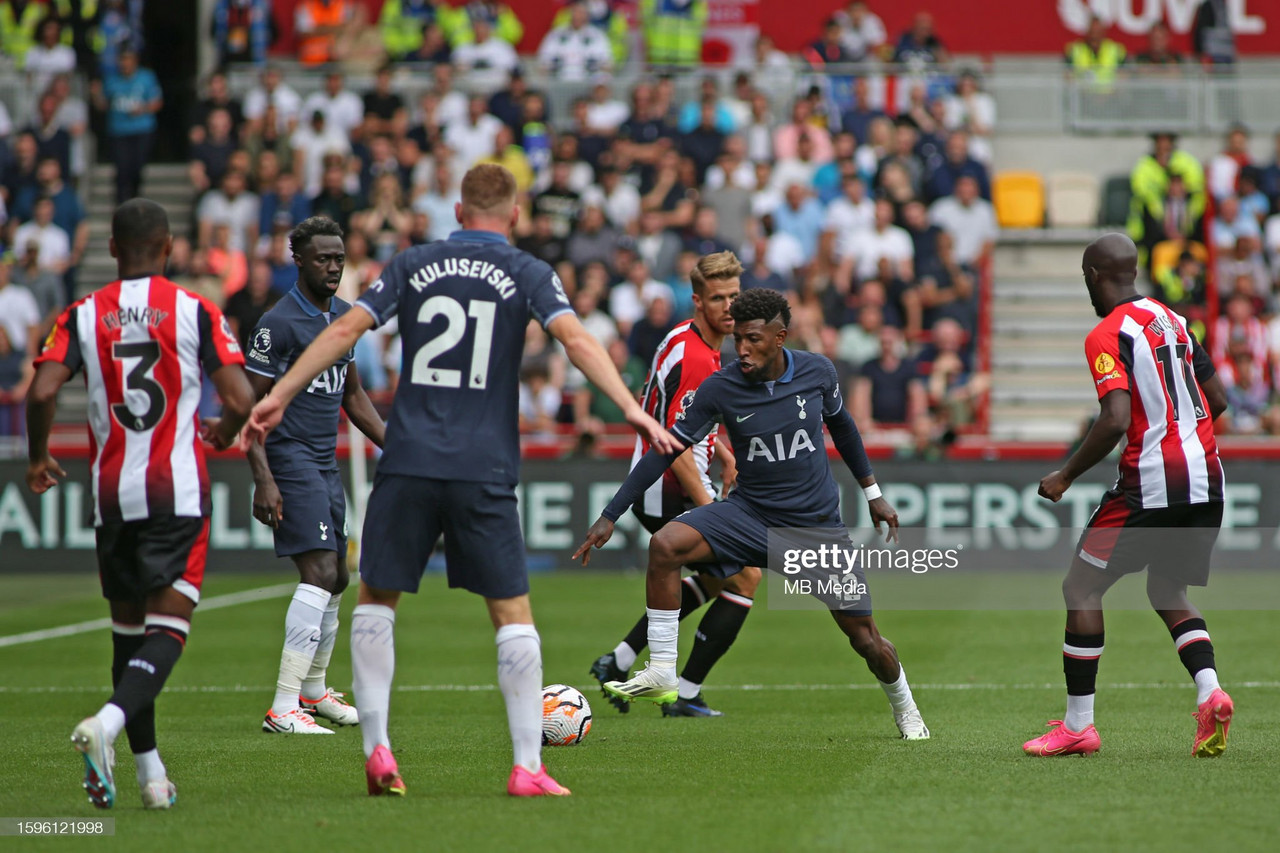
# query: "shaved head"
{"type": "Point", "coordinates": [1110, 266]}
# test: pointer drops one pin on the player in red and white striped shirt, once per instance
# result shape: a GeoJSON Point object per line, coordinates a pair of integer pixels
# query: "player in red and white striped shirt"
{"type": "Point", "coordinates": [687, 355]}
{"type": "Point", "coordinates": [142, 343]}
{"type": "Point", "coordinates": [1158, 388]}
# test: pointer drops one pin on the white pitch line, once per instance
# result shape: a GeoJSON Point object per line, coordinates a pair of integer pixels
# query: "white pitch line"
{"type": "Point", "coordinates": [746, 688]}
{"type": "Point", "coordinates": [215, 603]}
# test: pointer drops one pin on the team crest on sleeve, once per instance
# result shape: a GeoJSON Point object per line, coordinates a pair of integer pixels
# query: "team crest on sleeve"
{"type": "Point", "coordinates": [232, 344]}
{"type": "Point", "coordinates": [1103, 364]}
{"type": "Point", "coordinates": [685, 402]}
{"type": "Point", "coordinates": [261, 345]}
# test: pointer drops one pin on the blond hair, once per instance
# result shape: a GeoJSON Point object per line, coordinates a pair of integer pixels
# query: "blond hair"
{"type": "Point", "coordinates": [716, 266]}
{"type": "Point", "coordinates": [488, 190]}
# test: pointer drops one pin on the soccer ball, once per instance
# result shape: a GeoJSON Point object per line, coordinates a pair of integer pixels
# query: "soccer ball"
{"type": "Point", "coordinates": [566, 715]}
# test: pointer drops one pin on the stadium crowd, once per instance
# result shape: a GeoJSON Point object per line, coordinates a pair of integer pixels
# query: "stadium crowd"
{"type": "Point", "coordinates": [875, 220]}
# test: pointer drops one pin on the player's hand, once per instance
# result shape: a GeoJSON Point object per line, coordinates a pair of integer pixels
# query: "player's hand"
{"type": "Point", "coordinates": [211, 433]}
{"type": "Point", "coordinates": [599, 534]}
{"type": "Point", "coordinates": [1053, 485]}
{"type": "Point", "coordinates": [268, 505]}
{"type": "Point", "coordinates": [263, 419]}
{"type": "Point", "coordinates": [881, 511]}
{"type": "Point", "coordinates": [653, 432]}
{"type": "Point", "coordinates": [43, 474]}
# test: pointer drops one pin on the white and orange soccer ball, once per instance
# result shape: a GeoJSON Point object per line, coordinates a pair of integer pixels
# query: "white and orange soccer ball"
{"type": "Point", "coordinates": [566, 715]}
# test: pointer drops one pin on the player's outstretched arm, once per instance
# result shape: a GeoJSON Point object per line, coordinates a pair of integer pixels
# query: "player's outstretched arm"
{"type": "Point", "coordinates": [1110, 427]}
{"type": "Point", "coordinates": [42, 404]}
{"type": "Point", "coordinates": [848, 442]}
{"type": "Point", "coordinates": [327, 348]}
{"type": "Point", "coordinates": [647, 471]}
{"type": "Point", "coordinates": [358, 406]}
{"type": "Point", "coordinates": [588, 356]}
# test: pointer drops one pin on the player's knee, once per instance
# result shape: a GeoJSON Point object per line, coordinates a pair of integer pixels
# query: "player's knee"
{"type": "Point", "coordinates": [745, 582]}
{"type": "Point", "coordinates": [665, 552]}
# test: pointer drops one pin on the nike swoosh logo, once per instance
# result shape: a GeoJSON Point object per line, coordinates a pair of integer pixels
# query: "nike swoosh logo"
{"type": "Point", "coordinates": [744, 417]}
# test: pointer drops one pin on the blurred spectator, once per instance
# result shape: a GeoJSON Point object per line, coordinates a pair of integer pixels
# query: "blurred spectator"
{"type": "Point", "coordinates": [343, 109]}
{"type": "Point", "coordinates": [1179, 222]}
{"type": "Point", "coordinates": [668, 194]}
{"type": "Point", "coordinates": [924, 234]}
{"type": "Point", "coordinates": [1183, 285]}
{"type": "Point", "coordinates": [786, 139]}
{"type": "Point", "coordinates": [1239, 321]}
{"type": "Point", "coordinates": [957, 164]}
{"type": "Point", "coordinates": [758, 131]}
{"type": "Point", "coordinates": [507, 104]}
{"type": "Point", "coordinates": [1159, 56]}
{"type": "Point", "coordinates": [360, 270]}
{"type": "Point", "coordinates": [657, 246]}
{"type": "Point", "coordinates": [829, 49]}
{"type": "Point", "coordinates": [45, 286]}
{"type": "Point", "coordinates": [19, 313]}
{"type": "Point", "coordinates": [1211, 37]}
{"type": "Point", "coordinates": [323, 27]}
{"type": "Point", "coordinates": [435, 49]}
{"type": "Point", "coordinates": [1224, 168]}
{"type": "Point", "coordinates": [946, 289]}
{"type": "Point", "coordinates": [619, 200]}
{"type": "Point", "coordinates": [438, 203]}
{"type": "Point", "coordinates": [758, 273]}
{"type": "Point", "coordinates": [704, 237]}
{"type": "Point", "coordinates": [605, 113]}
{"type": "Point", "coordinates": [954, 389]}
{"type": "Point", "coordinates": [887, 390]}
{"type": "Point", "coordinates": [333, 200]}
{"type": "Point", "coordinates": [1149, 183]}
{"type": "Point", "coordinates": [48, 56]}
{"type": "Point", "coordinates": [119, 25]}
{"type": "Point", "coordinates": [575, 49]}
{"type": "Point", "coordinates": [609, 18]}
{"type": "Point", "coordinates": [311, 144]}
{"type": "Point", "coordinates": [594, 240]}
{"type": "Point", "coordinates": [68, 214]}
{"type": "Point", "coordinates": [847, 215]}
{"type": "Point", "coordinates": [861, 31]}
{"type": "Point", "coordinates": [402, 23]}
{"type": "Point", "coordinates": [534, 135]}
{"type": "Point", "coordinates": [544, 244]}
{"type": "Point", "coordinates": [1249, 407]}
{"type": "Point", "coordinates": [1252, 202]}
{"type": "Point", "coordinates": [629, 299]}
{"type": "Point", "coordinates": [212, 155]}
{"type": "Point", "coordinates": [52, 244]}
{"type": "Point", "coordinates": [1095, 58]}
{"type": "Point", "coordinates": [16, 373]}
{"type": "Point", "coordinates": [229, 265]}
{"type": "Point", "coordinates": [231, 204]}
{"type": "Point", "coordinates": [245, 307]}
{"type": "Point", "coordinates": [970, 219]}
{"type": "Point", "coordinates": [242, 31]}
{"type": "Point", "coordinates": [217, 96]}
{"type": "Point", "coordinates": [268, 137]}
{"type": "Point", "coordinates": [673, 31]}
{"type": "Point", "coordinates": [387, 220]}
{"type": "Point", "coordinates": [1269, 181]}
{"type": "Point", "coordinates": [565, 150]}
{"type": "Point", "coordinates": [970, 109]}
{"type": "Point", "coordinates": [766, 56]}
{"type": "Point", "coordinates": [472, 138]}
{"type": "Point", "coordinates": [72, 116]}
{"type": "Point", "coordinates": [19, 24]}
{"type": "Point", "coordinates": [498, 16]}
{"type": "Point", "coordinates": [647, 334]}
{"type": "Point", "coordinates": [52, 140]}
{"type": "Point", "coordinates": [384, 109]}
{"type": "Point", "coordinates": [271, 91]}
{"type": "Point", "coordinates": [20, 171]}
{"type": "Point", "coordinates": [800, 169]}
{"type": "Point", "coordinates": [704, 142]}
{"type": "Point", "coordinates": [1243, 260]}
{"type": "Point", "coordinates": [783, 252]}
{"type": "Point", "coordinates": [131, 98]}
{"type": "Point", "coordinates": [1231, 224]}
{"type": "Point", "coordinates": [874, 148]}
{"type": "Point", "coordinates": [510, 156]}
{"type": "Point", "coordinates": [859, 342]}
{"type": "Point", "coordinates": [283, 205]}
{"type": "Point", "coordinates": [857, 119]}
{"type": "Point", "coordinates": [801, 216]}
{"type": "Point", "coordinates": [485, 60]}
{"type": "Point", "coordinates": [594, 411]}
{"type": "Point", "coordinates": [540, 399]}
{"type": "Point", "coordinates": [862, 251]}
{"type": "Point", "coordinates": [559, 202]}
{"type": "Point", "coordinates": [919, 47]}
{"type": "Point", "coordinates": [903, 155]}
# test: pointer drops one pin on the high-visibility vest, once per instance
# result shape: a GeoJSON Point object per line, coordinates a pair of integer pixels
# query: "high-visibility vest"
{"type": "Point", "coordinates": [673, 32]}
{"type": "Point", "coordinates": [1101, 65]}
{"type": "Point", "coordinates": [318, 49]}
{"type": "Point", "coordinates": [18, 34]}
{"type": "Point", "coordinates": [88, 9]}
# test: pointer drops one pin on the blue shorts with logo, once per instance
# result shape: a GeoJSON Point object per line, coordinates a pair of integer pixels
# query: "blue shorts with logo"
{"type": "Point", "coordinates": [315, 512]}
{"type": "Point", "coordinates": [483, 544]}
{"type": "Point", "coordinates": [740, 536]}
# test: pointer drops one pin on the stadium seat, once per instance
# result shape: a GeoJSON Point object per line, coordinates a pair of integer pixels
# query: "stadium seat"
{"type": "Point", "coordinates": [1116, 197]}
{"type": "Point", "coordinates": [1072, 199]}
{"type": "Point", "coordinates": [1019, 199]}
{"type": "Point", "coordinates": [1165, 254]}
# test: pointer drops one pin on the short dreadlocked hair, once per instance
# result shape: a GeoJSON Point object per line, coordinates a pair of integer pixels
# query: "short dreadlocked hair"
{"type": "Point", "coordinates": [315, 226]}
{"type": "Point", "coordinates": [761, 303]}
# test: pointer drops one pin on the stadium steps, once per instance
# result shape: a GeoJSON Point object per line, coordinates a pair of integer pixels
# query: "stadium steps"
{"type": "Point", "coordinates": [166, 183]}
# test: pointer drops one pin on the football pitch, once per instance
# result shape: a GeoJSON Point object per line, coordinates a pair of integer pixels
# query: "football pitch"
{"type": "Point", "coordinates": [806, 757]}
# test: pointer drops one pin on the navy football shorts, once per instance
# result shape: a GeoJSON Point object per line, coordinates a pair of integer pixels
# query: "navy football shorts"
{"type": "Point", "coordinates": [483, 545]}
{"type": "Point", "coordinates": [315, 513]}
{"type": "Point", "coordinates": [740, 537]}
{"type": "Point", "coordinates": [715, 570]}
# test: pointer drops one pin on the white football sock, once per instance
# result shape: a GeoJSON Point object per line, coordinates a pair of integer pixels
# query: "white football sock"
{"type": "Point", "coordinates": [112, 717]}
{"type": "Point", "coordinates": [664, 636]}
{"type": "Point", "coordinates": [150, 767]}
{"type": "Point", "coordinates": [899, 692]}
{"type": "Point", "coordinates": [688, 689]}
{"type": "Point", "coordinates": [1206, 683]}
{"type": "Point", "coordinates": [314, 686]}
{"type": "Point", "coordinates": [520, 679]}
{"type": "Point", "coordinates": [1079, 712]}
{"type": "Point", "coordinates": [626, 657]}
{"type": "Point", "coordinates": [373, 663]}
{"type": "Point", "coordinates": [301, 637]}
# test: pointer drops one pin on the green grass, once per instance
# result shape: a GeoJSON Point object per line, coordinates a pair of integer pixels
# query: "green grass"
{"type": "Point", "coordinates": [787, 769]}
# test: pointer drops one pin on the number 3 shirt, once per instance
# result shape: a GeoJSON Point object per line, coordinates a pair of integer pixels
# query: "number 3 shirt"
{"type": "Point", "coordinates": [463, 306]}
{"type": "Point", "coordinates": [1171, 455]}
{"type": "Point", "coordinates": [142, 343]}
{"type": "Point", "coordinates": [307, 438]}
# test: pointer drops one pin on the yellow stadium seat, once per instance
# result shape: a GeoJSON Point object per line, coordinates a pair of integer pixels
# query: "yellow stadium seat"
{"type": "Point", "coordinates": [1165, 254]}
{"type": "Point", "coordinates": [1019, 199]}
